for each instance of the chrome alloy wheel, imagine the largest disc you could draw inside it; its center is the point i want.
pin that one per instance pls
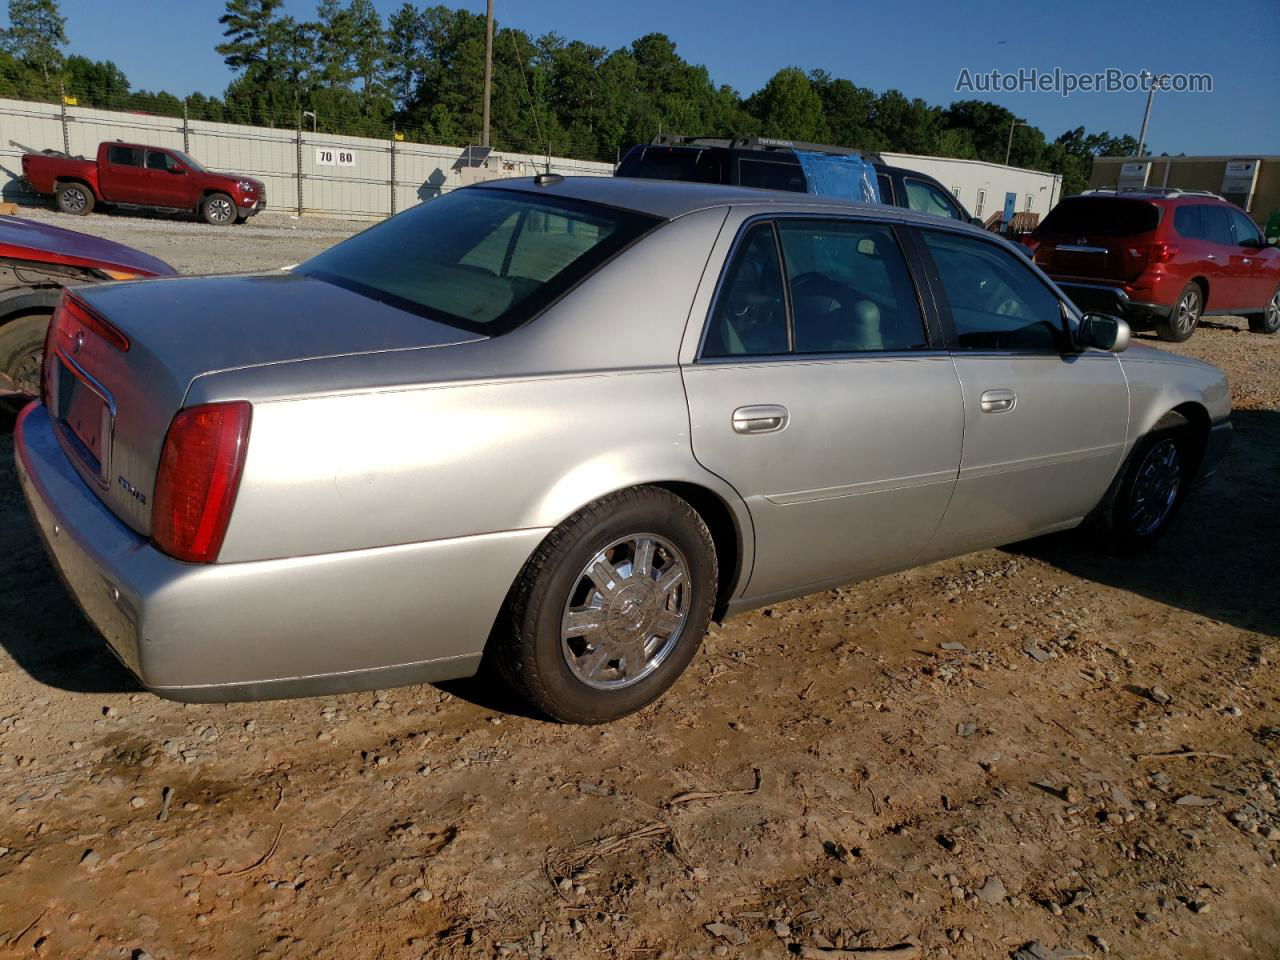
(1187, 312)
(1155, 489)
(626, 611)
(1273, 312)
(74, 200)
(220, 210)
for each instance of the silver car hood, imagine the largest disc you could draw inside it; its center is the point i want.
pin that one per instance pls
(197, 325)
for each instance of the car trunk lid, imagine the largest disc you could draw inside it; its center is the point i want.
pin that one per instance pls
(113, 406)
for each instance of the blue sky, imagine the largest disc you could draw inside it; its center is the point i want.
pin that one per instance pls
(919, 47)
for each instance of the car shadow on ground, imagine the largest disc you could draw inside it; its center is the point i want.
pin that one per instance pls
(1221, 556)
(41, 629)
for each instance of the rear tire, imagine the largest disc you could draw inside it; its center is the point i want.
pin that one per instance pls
(1184, 317)
(584, 654)
(73, 198)
(22, 352)
(1140, 506)
(1269, 320)
(218, 210)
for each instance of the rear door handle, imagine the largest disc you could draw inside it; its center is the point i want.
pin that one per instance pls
(1211, 256)
(999, 401)
(761, 418)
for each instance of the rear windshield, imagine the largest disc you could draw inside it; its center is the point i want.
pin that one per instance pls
(481, 259)
(666, 163)
(1108, 216)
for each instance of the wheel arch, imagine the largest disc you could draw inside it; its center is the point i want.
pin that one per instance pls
(1192, 418)
(83, 181)
(1203, 283)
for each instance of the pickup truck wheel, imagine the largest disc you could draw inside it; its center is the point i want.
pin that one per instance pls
(1184, 317)
(218, 209)
(1150, 490)
(22, 351)
(73, 198)
(611, 608)
(1269, 320)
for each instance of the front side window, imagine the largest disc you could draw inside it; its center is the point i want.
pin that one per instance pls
(1247, 233)
(927, 198)
(482, 259)
(850, 288)
(162, 162)
(124, 156)
(750, 315)
(996, 302)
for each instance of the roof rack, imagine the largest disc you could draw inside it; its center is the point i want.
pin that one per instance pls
(764, 144)
(1155, 191)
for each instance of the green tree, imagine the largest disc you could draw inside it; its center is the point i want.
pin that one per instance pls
(36, 34)
(96, 83)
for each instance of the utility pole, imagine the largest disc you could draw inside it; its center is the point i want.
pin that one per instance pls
(488, 72)
(1008, 150)
(1146, 116)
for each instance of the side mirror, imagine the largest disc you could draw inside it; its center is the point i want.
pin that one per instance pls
(1103, 332)
(1253, 243)
(179, 170)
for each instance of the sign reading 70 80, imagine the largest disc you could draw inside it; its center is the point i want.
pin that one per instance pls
(329, 157)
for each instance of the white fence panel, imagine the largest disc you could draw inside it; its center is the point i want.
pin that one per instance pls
(341, 176)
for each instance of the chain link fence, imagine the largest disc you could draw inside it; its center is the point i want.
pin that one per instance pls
(305, 172)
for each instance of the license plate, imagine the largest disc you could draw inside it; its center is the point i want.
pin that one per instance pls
(84, 413)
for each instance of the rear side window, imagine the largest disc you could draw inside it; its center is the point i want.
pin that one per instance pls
(1186, 221)
(886, 188)
(771, 175)
(927, 198)
(850, 288)
(124, 156)
(1101, 216)
(482, 259)
(663, 163)
(750, 315)
(996, 302)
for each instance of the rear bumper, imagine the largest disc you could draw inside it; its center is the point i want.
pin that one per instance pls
(299, 626)
(1109, 298)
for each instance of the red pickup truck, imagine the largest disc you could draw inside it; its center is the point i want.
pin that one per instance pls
(134, 174)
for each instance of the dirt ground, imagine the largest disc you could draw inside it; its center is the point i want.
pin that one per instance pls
(1033, 752)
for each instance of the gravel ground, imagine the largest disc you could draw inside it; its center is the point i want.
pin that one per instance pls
(1036, 745)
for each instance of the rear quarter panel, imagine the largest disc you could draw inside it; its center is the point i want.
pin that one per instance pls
(44, 172)
(512, 433)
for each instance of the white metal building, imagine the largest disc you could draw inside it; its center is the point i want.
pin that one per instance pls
(982, 186)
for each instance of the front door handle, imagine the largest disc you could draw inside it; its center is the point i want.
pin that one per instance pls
(999, 401)
(761, 418)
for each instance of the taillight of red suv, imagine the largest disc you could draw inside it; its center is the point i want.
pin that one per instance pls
(198, 478)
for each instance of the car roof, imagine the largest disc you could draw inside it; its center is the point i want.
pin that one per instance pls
(675, 198)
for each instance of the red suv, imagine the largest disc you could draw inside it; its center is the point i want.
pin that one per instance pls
(1161, 257)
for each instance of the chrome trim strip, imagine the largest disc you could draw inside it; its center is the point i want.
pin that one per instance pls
(1031, 463)
(858, 489)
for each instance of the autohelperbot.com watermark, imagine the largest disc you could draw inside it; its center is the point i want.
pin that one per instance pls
(1065, 82)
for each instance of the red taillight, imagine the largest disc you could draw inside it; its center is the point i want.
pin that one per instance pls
(197, 480)
(71, 319)
(1157, 252)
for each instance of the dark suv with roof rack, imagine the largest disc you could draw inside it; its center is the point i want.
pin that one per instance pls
(775, 165)
(1162, 257)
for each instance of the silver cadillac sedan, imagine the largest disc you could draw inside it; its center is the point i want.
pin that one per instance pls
(559, 425)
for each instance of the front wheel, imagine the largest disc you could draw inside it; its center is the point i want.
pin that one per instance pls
(1184, 317)
(1150, 490)
(218, 210)
(611, 608)
(1269, 321)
